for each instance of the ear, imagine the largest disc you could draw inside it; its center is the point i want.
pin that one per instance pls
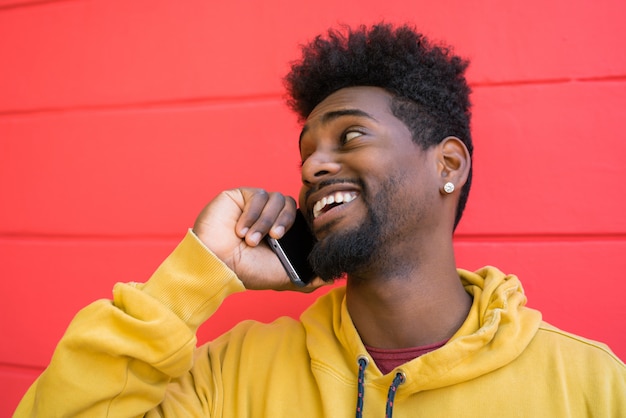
(454, 162)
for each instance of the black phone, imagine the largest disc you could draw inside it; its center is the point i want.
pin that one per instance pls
(293, 250)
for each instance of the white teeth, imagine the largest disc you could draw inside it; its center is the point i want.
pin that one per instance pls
(317, 209)
(337, 197)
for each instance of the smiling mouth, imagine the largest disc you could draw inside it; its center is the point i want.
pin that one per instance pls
(335, 199)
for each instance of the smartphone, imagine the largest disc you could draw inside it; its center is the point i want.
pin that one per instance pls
(293, 250)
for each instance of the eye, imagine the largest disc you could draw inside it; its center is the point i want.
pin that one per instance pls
(350, 135)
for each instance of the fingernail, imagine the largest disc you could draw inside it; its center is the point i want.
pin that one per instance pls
(255, 238)
(279, 231)
(243, 231)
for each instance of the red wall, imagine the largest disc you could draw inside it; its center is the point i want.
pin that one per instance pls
(119, 120)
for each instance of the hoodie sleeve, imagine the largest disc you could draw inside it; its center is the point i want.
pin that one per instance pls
(118, 356)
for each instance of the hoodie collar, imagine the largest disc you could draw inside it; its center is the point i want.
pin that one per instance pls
(496, 331)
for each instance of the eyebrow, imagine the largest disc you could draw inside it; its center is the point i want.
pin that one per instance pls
(335, 114)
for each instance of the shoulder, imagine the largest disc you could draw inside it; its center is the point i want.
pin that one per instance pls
(584, 372)
(572, 345)
(585, 364)
(248, 331)
(285, 329)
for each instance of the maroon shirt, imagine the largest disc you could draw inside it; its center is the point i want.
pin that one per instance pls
(387, 360)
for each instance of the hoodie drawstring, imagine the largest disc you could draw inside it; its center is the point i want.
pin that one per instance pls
(363, 361)
(391, 394)
(397, 381)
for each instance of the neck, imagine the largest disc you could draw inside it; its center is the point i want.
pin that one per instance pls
(409, 305)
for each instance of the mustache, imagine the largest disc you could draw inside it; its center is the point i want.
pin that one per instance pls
(329, 182)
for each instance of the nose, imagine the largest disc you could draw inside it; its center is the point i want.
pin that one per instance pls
(318, 166)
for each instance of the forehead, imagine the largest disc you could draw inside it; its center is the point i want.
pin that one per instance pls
(373, 101)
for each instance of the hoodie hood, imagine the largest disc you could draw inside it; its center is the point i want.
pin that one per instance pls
(497, 330)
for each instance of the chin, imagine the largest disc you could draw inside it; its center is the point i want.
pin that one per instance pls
(338, 253)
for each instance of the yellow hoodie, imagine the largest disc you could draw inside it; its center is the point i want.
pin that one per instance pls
(136, 356)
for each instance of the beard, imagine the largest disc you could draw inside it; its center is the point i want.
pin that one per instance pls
(347, 251)
(355, 250)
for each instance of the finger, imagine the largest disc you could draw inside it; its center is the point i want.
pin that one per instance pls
(285, 218)
(314, 285)
(273, 208)
(254, 200)
(264, 211)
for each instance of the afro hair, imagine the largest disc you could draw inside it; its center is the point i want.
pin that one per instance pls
(427, 82)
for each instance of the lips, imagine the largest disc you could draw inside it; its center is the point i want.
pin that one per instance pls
(331, 200)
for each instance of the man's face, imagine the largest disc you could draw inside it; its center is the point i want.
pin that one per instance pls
(367, 188)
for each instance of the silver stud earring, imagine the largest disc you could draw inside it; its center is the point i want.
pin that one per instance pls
(448, 187)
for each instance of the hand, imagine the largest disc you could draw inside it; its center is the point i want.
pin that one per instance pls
(233, 226)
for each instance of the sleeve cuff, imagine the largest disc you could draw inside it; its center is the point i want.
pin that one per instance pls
(192, 282)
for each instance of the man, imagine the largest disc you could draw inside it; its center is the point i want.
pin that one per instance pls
(386, 168)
